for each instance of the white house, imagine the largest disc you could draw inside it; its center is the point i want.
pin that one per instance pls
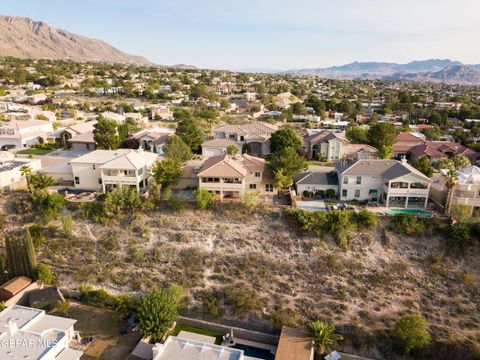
(103, 170)
(395, 183)
(10, 174)
(153, 140)
(44, 337)
(25, 133)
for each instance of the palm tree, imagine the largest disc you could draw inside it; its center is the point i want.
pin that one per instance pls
(26, 171)
(450, 180)
(42, 181)
(324, 336)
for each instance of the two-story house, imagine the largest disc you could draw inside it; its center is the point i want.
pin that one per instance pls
(153, 140)
(103, 170)
(333, 146)
(22, 133)
(233, 176)
(251, 138)
(466, 190)
(392, 182)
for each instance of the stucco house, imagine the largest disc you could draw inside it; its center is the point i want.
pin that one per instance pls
(23, 133)
(153, 140)
(333, 146)
(103, 170)
(392, 182)
(233, 176)
(465, 192)
(256, 137)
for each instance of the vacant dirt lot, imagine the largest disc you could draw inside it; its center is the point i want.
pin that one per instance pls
(256, 267)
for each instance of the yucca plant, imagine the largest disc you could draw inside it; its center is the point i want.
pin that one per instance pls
(323, 336)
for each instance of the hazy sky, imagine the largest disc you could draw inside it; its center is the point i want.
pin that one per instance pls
(269, 33)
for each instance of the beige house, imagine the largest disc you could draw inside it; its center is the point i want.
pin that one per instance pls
(255, 136)
(465, 192)
(23, 133)
(333, 146)
(395, 183)
(103, 170)
(233, 176)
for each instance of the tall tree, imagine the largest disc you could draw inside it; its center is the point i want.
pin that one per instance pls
(190, 133)
(21, 258)
(26, 171)
(167, 172)
(285, 165)
(156, 312)
(422, 164)
(105, 134)
(381, 134)
(284, 138)
(450, 181)
(176, 149)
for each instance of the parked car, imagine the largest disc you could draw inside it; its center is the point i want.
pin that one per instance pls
(8, 147)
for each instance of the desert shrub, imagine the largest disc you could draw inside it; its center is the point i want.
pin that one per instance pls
(67, 223)
(94, 211)
(408, 224)
(463, 235)
(250, 199)
(203, 198)
(286, 317)
(243, 300)
(460, 212)
(366, 219)
(411, 332)
(98, 298)
(44, 274)
(123, 200)
(37, 232)
(320, 193)
(48, 205)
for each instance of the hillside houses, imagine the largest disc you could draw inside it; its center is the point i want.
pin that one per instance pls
(333, 146)
(252, 138)
(22, 133)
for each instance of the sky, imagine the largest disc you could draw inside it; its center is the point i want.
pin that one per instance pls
(269, 34)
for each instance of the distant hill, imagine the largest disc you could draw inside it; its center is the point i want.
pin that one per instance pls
(24, 38)
(439, 70)
(452, 74)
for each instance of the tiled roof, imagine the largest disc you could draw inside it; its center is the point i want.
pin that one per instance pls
(407, 137)
(389, 169)
(219, 143)
(231, 166)
(325, 136)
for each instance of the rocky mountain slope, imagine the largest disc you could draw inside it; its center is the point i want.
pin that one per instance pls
(24, 38)
(434, 70)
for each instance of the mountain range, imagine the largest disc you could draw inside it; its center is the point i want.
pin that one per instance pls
(24, 38)
(433, 70)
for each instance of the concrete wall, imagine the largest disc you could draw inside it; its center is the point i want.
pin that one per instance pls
(88, 176)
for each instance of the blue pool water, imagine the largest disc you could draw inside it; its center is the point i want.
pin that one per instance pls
(255, 352)
(409, 211)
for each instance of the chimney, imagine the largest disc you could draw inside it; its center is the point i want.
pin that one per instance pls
(404, 159)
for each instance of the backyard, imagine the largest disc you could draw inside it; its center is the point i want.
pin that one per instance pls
(105, 327)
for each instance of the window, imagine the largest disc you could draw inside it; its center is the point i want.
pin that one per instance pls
(359, 180)
(77, 180)
(253, 186)
(231, 136)
(345, 180)
(258, 174)
(93, 166)
(100, 181)
(372, 192)
(268, 187)
(357, 193)
(344, 192)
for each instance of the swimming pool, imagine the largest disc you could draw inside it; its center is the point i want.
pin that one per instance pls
(255, 352)
(409, 211)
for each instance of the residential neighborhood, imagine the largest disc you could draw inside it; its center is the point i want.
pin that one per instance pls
(181, 212)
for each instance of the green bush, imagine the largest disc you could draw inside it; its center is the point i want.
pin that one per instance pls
(94, 211)
(330, 193)
(408, 224)
(98, 298)
(44, 274)
(464, 235)
(411, 332)
(366, 219)
(203, 198)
